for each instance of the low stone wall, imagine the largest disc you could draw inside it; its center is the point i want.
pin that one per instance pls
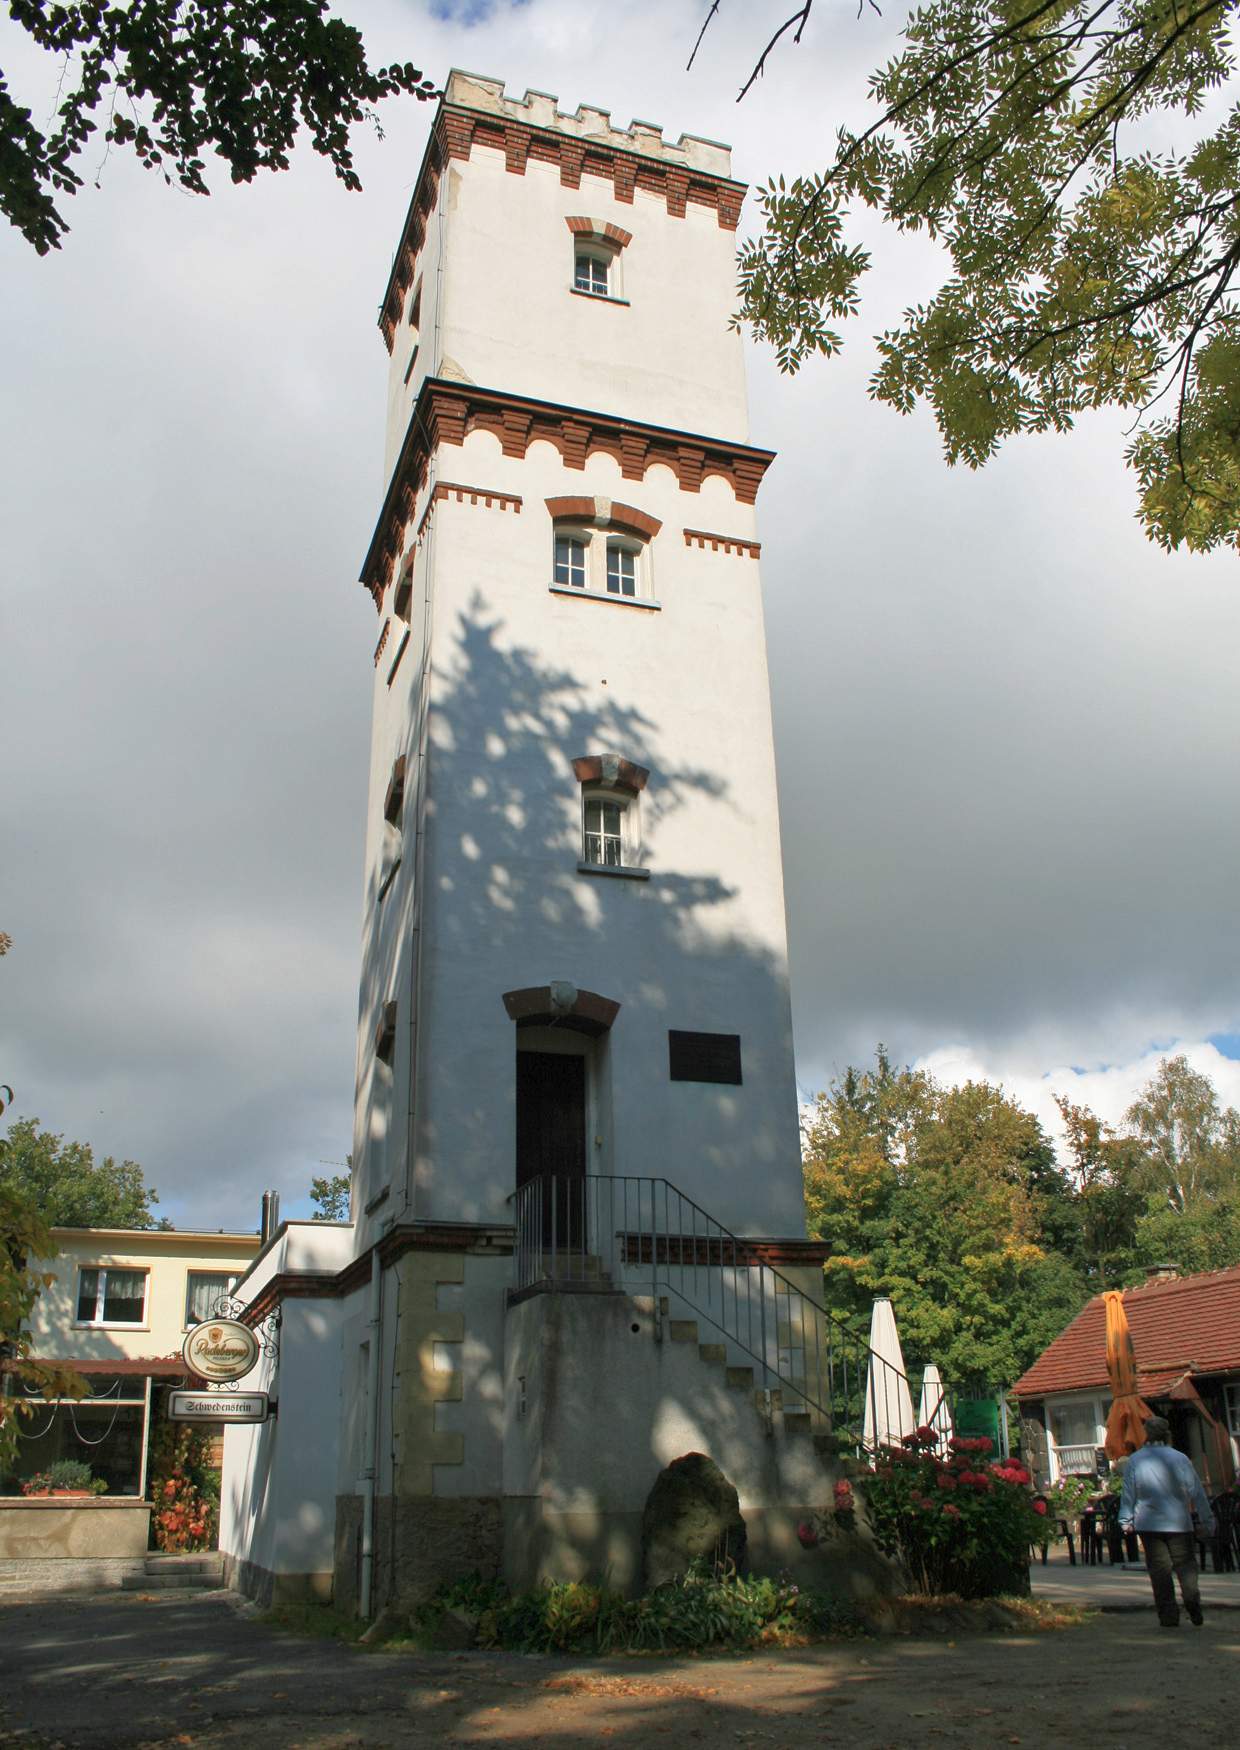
(56, 1544)
(60, 1528)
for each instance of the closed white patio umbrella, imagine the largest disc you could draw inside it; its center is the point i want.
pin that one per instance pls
(888, 1400)
(933, 1409)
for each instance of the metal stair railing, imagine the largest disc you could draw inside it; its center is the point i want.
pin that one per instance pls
(594, 1232)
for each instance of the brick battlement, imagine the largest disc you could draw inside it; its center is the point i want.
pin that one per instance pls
(540, 110)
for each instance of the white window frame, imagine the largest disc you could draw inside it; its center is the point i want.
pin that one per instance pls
(630, 828)
(1231, 1398)
(626, 547)
(230, 1284)
(599, 542)
(1098, 1403)
(583, 538)
(98, 1322)
(600, 255)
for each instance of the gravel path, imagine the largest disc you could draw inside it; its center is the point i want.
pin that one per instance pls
(138, 1671)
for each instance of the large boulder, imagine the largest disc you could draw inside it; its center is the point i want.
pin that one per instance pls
(691, 1513)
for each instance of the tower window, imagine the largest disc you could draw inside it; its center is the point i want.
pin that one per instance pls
(592, 271)
(604, 835)
(621, 569)
(570, 560)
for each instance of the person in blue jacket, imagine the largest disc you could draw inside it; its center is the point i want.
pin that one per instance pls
(1162, 1496)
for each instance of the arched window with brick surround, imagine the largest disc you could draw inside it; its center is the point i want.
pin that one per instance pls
(598, 248)
(611, 840)
(603, 549)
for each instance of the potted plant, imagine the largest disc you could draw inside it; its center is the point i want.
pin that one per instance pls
(69, 1476)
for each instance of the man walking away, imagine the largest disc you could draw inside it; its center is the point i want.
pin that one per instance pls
(1162, 1492)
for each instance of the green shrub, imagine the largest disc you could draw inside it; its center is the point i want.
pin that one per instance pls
(959, 1524)
(697, 1611)
(69, 1473)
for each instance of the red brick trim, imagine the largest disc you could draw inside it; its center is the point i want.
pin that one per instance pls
(611, 768)
(468, 495)
(456, 132)
(581, 226)
(445, 413)
(728, 543)
(383, 638)
(590, 1014)
(607, 513)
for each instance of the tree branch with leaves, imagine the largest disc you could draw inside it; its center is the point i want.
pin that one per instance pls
(175, 79)
(1090, 264)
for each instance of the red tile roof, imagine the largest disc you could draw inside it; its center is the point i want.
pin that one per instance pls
(1191, 1322)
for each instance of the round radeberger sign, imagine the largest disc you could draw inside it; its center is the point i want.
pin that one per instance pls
(220, 1349)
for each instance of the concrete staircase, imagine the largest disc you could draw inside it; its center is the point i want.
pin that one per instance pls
(738, 1378)
(176, 1573)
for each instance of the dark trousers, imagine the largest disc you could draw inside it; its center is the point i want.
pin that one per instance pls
(1170, 1553)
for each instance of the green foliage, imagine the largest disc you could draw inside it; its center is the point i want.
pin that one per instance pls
(1049, 146)
(68, 1186)
(1167, 1189)
(697, 1611)
(1191, 1148)
(950, 1201)
(331, 1197)
(959, 1525)
(173, 79)
(70, 1473)
(24, 1236)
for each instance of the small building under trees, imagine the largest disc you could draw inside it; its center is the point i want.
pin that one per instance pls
(1186, 1334)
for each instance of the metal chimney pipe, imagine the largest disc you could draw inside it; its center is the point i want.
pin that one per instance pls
(270, 1216)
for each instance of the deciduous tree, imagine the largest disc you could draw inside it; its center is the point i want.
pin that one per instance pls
(25, 1244)
(68, 1187)
(946, 1200)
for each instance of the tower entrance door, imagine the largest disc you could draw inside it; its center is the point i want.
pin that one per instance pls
(551, 1142)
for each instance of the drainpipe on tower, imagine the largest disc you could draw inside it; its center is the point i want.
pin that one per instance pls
(370, 1438)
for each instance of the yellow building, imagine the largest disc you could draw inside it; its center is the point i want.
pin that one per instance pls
(116, 1311)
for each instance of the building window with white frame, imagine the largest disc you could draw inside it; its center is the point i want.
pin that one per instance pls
(111, 1296)
(604, 840)
(604, 557)
(203, 1290)
(592, 269)
(571, 555)
(622, 558)
(611, 842)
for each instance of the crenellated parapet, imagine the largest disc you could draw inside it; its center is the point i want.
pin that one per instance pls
(476, 114)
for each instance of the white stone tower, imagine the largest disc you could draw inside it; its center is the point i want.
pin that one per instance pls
(574, 1071)
(572, 776)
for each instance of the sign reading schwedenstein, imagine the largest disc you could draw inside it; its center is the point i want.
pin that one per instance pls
(220, 1350)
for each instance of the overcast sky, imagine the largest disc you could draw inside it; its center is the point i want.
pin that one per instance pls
(1007, 726)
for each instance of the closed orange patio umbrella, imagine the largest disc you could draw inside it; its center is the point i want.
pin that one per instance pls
(1126, 1420)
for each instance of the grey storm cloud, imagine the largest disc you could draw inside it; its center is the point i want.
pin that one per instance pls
(1006, 726)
